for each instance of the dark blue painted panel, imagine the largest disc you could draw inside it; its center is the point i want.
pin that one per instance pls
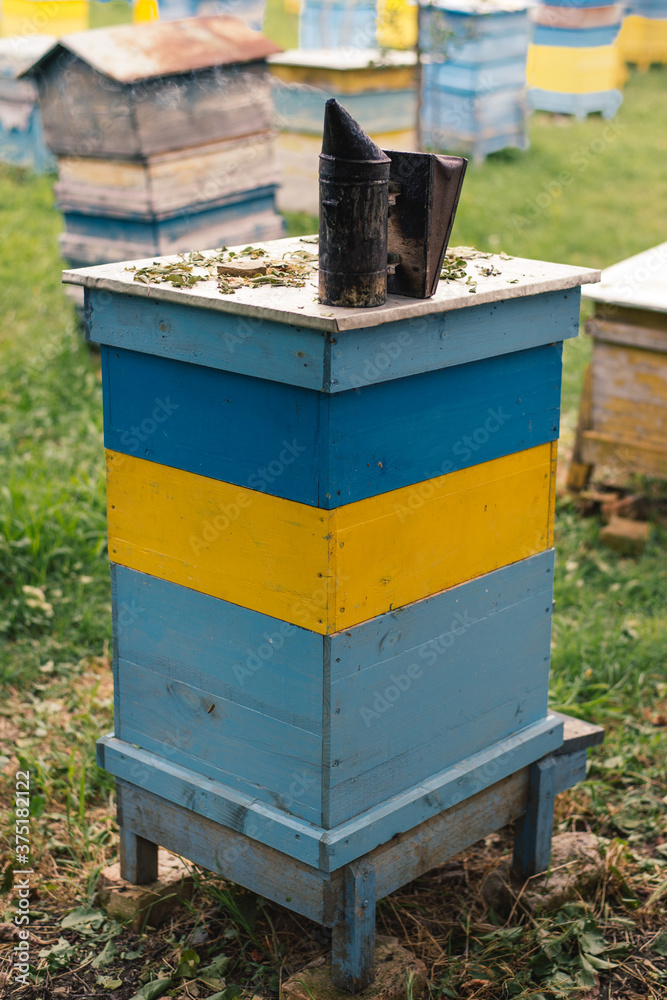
(328, 450)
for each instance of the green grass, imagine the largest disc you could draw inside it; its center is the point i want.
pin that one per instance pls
(610, 623)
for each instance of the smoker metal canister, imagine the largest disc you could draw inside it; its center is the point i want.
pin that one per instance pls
(354, 207)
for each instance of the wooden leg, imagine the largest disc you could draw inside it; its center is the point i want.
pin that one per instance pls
(532, 840)
(353, 941)
(138, 858)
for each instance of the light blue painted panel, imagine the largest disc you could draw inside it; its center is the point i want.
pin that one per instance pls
(152, 230)
(440, 30)
(301, 109)
(458, 681)
(490, 48)
(258, 662)
(328, 450)
(333, 24)
(329, 849)
(200, 729)
(353, 359)
(472, 79)
(455, 114)
(605, 101)
(575, 37)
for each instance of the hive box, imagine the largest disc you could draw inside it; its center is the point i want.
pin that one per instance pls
(377, 88)
(623, 430)
(473, 76)
(163, 134)
(327, 529)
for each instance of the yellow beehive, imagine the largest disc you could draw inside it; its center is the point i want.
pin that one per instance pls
(643, 41)
(575, 70)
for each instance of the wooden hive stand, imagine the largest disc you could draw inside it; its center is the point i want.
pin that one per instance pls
(327, 529)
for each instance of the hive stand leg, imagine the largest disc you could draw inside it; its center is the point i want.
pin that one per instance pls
(138, 858)
(532, 840)
(353, 941)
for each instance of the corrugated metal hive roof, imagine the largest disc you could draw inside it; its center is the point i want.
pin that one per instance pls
(132, 52)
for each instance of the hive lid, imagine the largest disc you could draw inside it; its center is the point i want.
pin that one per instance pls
(132, 52)
(497, 278)
(345, 59)
(18, 53)
(638, 282)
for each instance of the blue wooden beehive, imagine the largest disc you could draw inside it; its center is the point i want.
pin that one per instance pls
(331, 540)
(473, 76)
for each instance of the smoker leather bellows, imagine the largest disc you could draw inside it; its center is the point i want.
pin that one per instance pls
(385, 216)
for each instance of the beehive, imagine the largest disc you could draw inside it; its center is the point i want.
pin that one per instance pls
(574, 61)
(623, 427)
(163, 136)
(378, 88)
(331, 539)
(21, 132)
(473, 76)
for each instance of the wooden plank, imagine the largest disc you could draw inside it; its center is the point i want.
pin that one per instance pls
(258, 662)
(167, 183)
(497, 280)
(262, 869)
(630, 392)
(623, 457)
(353, 939)
(651, 338)
(579, 472)
(199, 729)
(138, 857)
(476, 520)
(463, 685)
(439, 793)
(327, 570)
(297, 355)
(532, 839)
(225, 806)
(315, 894)
(578, 735)
(327, 450)
(328, 850)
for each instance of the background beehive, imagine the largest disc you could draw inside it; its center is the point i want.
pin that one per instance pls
(377, 88)
(164, 141)
(473, 75)
(574, 62)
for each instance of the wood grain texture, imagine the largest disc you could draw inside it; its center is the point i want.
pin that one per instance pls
(328, 449)
(241, 747)
(532, 839)
(138, 857)
(622, 458)
(263, 664)
(353, 939)
(360, 692)
(328, 570)
(630, 393)
(419, 690)
(629, 334)
(271, 873)
(327, 849)
(295, 353)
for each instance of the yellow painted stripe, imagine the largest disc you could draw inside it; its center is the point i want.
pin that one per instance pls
(348, 81)
(328, 570)
(575, 70)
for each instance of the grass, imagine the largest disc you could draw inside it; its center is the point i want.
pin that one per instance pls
(586, 192)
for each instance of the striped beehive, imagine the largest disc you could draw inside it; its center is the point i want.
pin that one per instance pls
(334, 24)
(21, 132)
(473, 75)
(378, 89)
(574, 62)
(623, 419)
(163, 134)
(643, 37)
(331, 540)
